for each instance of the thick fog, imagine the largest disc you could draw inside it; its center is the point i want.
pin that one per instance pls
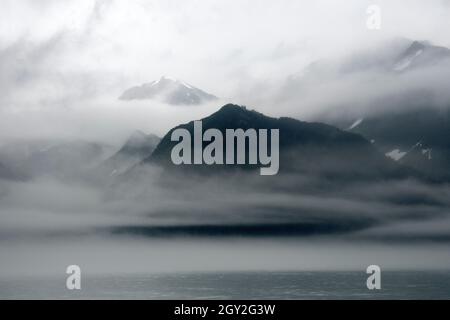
(64, 65)
(145, 225)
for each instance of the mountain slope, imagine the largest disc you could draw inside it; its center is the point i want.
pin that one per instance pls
(416, 137)
(420, 54)
(171, 91)
(395, 73)
(53, 157)
(138, 147)
(8, 173)
(309, 148)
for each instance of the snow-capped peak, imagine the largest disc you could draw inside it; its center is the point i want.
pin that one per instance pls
(169, 90)
(173, 80)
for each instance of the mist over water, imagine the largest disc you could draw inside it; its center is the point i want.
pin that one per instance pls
(131, 228)
(62, 71)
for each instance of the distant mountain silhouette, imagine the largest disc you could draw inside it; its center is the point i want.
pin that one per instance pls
(8, 173)
(168, 90)
(138, 147)
(31, 158)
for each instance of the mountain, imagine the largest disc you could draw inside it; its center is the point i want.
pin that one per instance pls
(399, 55)
(138, 146)
(52, 157)
(420, 54)
(308, 148)
(171, 91)
(401, 105)
(390, 59)
(390, 74)
(416, 137)
(8, 173)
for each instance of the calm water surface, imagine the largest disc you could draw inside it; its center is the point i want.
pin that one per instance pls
(236, 285)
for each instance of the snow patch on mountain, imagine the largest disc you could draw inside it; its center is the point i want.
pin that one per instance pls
(396, 154)
(406, 62)
(355, 124)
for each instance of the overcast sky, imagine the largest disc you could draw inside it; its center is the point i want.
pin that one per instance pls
(64, 55)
